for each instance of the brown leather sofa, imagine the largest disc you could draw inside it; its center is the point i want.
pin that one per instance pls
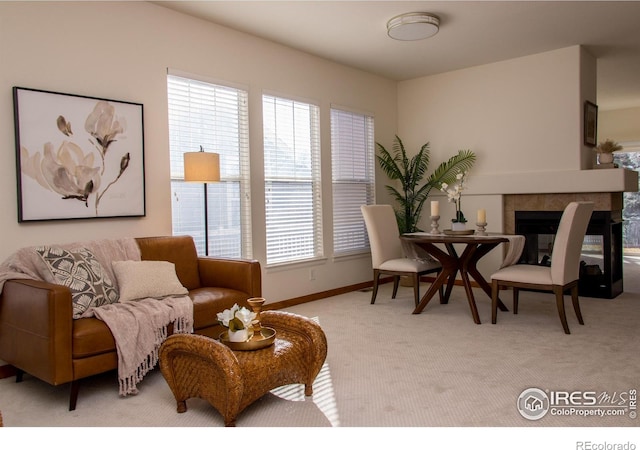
(38, 335)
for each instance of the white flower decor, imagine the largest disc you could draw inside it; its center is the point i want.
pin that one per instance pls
(236, 318)
(454, 195)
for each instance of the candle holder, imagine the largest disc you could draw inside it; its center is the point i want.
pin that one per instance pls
(256, 304)
(434, 225)
(482, 228)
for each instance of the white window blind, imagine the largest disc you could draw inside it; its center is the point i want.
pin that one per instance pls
(352, 159)
(292, 180)
(215, 117)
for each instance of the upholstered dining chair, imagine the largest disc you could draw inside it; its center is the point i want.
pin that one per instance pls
(561, 276)
(387, 254)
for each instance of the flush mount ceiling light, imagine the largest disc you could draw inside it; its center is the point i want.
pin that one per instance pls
(413, 26)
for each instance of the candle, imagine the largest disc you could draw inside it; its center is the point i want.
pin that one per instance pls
(482, 215)
(435, 208)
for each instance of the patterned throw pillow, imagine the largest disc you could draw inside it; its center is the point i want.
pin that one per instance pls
(82, 273)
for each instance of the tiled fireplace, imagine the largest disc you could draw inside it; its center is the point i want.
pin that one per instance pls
(537, 216)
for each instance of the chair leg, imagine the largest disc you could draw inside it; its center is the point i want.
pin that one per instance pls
(376, 277)
(516, 299)
(561, 312)
(416, 288)
(396, 282)
(576, 304)
(494, 301)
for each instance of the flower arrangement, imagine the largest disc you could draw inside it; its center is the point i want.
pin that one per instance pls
(454, 195)
(238, 320)
(608, 146)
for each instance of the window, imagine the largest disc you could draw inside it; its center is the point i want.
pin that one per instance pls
(292, 180)
(216, 118)
(629, 158)
(352, 158)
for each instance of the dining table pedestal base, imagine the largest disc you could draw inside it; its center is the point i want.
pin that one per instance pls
(465, 264)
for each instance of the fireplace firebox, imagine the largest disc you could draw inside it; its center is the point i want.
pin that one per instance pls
(601, 257)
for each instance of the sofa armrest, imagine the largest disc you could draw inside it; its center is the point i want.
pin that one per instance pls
(36, 329)
(243, 275)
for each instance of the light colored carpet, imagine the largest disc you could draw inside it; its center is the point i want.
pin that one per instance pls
(389, 368)
(438, 368)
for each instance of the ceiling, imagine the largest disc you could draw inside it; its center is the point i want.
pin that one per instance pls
(471, 33)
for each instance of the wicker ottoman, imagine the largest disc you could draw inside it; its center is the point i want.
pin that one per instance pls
(200, 367)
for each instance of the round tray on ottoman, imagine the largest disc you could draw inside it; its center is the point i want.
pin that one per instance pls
(263, 339)
(230, 380)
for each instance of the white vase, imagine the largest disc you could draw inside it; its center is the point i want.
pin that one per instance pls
(239, 335)
(605, 158)
(458, 226)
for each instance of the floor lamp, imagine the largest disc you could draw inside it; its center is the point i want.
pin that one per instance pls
(202, 167)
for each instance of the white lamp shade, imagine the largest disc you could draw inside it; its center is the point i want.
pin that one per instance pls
(202, 167)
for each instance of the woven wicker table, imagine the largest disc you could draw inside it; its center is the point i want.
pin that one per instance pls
(196, 366)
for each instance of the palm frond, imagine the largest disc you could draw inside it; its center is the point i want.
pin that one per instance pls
(446, 172)
(410, 172)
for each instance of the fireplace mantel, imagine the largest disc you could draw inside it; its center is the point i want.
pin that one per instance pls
(555, 182)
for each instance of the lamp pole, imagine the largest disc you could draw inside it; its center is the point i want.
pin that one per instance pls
(202, 167)
(206, 221)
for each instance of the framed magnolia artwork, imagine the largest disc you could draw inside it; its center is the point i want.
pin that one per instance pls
(77, 157)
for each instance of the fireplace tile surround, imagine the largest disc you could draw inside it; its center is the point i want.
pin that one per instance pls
(603, 201)
(606, 222)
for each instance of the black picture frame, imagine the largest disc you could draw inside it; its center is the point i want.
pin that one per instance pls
(590, 124)
(78, 157)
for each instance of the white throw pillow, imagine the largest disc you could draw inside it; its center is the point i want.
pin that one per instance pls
(142, 279)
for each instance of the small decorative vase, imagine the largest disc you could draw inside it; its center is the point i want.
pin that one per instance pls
(239, 335)
(458, 226)
(605, 158)
(256, 304)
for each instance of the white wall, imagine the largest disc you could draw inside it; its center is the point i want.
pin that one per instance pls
(521, 116)
(121, 50)
(621, 125)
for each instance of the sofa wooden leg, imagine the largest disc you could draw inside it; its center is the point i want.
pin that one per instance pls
(73, 397)
(19, 375)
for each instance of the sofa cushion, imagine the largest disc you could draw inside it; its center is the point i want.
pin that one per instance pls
(80, 271)
(180, 250)
(142, 279)
(91, 337)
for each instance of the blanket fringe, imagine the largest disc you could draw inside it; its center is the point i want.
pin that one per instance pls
(128, 385)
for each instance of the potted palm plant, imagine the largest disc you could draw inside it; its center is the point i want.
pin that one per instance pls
(411, 172)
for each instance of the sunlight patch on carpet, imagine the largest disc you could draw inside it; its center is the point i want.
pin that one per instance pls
(323, 393)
